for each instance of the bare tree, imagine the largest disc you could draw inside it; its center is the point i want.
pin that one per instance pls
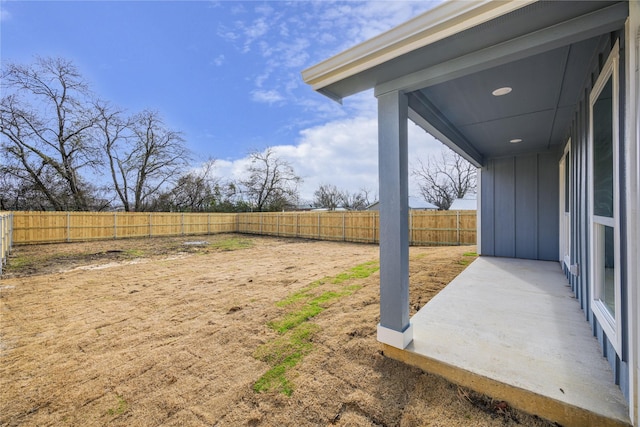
(142, 153)
(356, 201)
(443, 179)
(328, 196)
(271, 183)
(195, 191)
(19, 192)
(331, 197)
(45, 127)
(228, 198)
(114, 131)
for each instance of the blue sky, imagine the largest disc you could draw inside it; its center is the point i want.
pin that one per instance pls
(226, 74)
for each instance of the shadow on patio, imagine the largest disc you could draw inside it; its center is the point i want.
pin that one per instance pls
(512, 329)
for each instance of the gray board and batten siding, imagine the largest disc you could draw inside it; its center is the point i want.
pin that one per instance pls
(520, 193)
(580, 173)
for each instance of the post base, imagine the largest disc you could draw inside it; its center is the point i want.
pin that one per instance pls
(395, 338)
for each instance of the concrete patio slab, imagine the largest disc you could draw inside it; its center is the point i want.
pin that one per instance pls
(513, 330)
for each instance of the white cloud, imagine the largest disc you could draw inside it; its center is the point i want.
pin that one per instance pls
(300, 34)
(253, 32)
(266, 96)
(218, 60)
(342, 152)
(337, 144)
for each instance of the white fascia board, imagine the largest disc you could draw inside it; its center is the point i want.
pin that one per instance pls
(543, 40)
(447, 19)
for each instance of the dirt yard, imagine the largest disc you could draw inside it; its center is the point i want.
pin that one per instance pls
(222, 330)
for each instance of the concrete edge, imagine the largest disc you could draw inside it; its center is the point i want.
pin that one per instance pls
(545, 407)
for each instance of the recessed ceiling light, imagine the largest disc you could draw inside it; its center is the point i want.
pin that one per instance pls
(501, 91)
(515, 140)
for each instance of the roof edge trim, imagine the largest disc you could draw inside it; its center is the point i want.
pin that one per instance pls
(433, 25)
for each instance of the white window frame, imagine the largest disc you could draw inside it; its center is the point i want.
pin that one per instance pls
(611, 325)
(565, 217)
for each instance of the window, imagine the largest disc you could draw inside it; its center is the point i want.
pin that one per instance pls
(604, 216)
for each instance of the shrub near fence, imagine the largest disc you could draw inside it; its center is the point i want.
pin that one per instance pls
(426, 228)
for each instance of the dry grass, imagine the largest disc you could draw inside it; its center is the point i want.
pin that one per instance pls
(158, 333)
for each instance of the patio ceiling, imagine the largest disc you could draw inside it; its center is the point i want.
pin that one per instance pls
(540, 50)
(537, 111)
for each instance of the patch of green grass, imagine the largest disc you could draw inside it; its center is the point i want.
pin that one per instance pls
(464, 261)
(19, 262)
(232, 244)
(283, 354)
(296, 332)
(302, 294)
(120, 408)
(310, 309)
(291, 320)
(361, 271)
(134, 253)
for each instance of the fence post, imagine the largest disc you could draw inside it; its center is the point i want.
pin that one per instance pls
(278, 225)
(410, 227)
(208, 223)
(115, 225)
(68, 227)
(319, 234)
(150, 217)
(182, 223)
(373, 227)
(11, 231)
(3, 242)
(458, 226)
(344, 230)
(5, 245)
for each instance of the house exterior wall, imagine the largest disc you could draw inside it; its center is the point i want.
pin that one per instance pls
(581, 172)
(520, 198)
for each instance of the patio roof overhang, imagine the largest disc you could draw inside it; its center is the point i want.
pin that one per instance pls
(449, 60)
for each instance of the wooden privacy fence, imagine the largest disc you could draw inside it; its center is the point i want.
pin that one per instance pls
(426, 228)
(52, 227)
(6, 234)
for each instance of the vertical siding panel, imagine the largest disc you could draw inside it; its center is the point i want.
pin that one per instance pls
(572, 168)
(488, 209)
(526, 206)
(584, 232)
(574, 203)
(622, 188)
(505, 207)
(548, 206)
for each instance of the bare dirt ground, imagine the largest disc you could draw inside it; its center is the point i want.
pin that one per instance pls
(157, 332)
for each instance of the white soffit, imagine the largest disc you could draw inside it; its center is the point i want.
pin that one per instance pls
(446, 19)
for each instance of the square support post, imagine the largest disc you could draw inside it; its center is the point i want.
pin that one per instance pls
(394, 328)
